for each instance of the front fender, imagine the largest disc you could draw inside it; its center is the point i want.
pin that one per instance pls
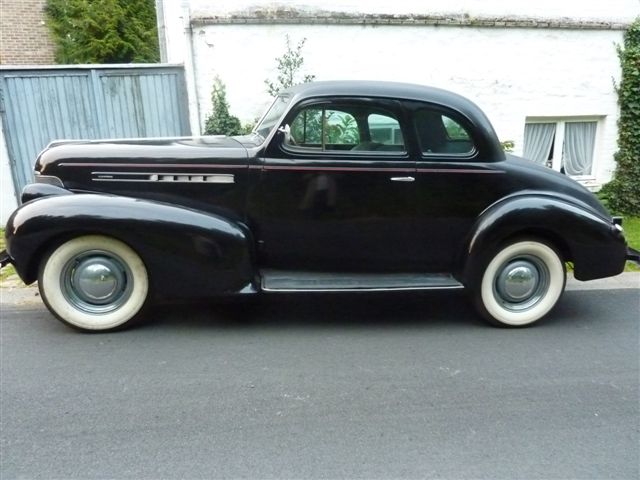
(596, 246)
(188, 253)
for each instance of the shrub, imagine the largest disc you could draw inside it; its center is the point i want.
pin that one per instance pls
(508, 145)
(289, 65)
(220, 121)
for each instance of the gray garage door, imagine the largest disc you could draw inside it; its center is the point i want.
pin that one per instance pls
(39, 105)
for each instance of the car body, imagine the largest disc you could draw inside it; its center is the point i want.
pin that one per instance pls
(342, 186)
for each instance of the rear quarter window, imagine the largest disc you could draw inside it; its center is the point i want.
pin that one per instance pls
(439, 134)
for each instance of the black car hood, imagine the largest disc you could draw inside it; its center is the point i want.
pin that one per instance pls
(206, 149)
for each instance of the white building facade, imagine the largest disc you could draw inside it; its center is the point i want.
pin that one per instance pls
(543, 71)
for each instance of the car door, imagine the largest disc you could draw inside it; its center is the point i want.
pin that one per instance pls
(336, 190)
(455, 182)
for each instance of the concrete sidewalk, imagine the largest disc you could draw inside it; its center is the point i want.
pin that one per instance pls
(13, 292)
(19, 295)
(624, 280)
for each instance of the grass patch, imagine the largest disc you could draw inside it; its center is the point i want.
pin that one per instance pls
(632, 234)
(632, 231)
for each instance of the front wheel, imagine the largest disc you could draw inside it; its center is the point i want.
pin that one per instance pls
(93, 283)
(520, 284)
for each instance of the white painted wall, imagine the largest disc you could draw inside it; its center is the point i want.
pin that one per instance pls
(8, 201)
(510, 73)
(175, 24)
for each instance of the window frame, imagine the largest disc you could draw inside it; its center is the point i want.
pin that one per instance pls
(558, 140)
(472, 156)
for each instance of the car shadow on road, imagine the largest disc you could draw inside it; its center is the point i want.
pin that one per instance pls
(434, 310)
(341, 310)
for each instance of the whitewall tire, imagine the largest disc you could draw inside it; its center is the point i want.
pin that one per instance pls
(520, 284)
(94, 283)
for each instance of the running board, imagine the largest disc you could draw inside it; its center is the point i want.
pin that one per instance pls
(293, 281)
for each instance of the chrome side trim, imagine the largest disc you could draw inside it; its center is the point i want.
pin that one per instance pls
(150, 165)
(402, 179)
(161, 177)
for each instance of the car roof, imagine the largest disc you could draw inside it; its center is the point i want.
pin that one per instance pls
(486, 137)
(368, 88)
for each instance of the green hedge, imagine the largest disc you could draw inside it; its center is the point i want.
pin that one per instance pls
(622, 194)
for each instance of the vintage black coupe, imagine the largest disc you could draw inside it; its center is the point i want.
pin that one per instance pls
(342, 186)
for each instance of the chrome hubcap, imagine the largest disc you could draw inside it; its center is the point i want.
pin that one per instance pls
(518, 281)
(521, 283)
(96, 282)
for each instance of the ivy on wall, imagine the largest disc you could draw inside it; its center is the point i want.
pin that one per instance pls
(622, 194)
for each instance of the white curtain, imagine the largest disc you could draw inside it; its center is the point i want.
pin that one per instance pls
(538, 138)
(577, 152)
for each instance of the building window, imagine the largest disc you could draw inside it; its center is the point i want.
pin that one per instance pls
(566, 145)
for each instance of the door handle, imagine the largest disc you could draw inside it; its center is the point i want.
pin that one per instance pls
(402, 179)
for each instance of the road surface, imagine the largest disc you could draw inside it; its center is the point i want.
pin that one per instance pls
(343, 386)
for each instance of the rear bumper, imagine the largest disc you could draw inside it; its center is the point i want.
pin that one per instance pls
(5, 259)
(633, 255)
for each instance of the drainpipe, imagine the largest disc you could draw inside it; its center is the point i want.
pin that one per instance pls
(190, 72)
(162, 35)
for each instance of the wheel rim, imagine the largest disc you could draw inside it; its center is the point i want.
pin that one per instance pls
(96, 282)
(520, 283)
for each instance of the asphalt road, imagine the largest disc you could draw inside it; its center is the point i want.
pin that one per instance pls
(390, 386)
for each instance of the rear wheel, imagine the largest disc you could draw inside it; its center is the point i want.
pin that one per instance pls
(520, 284)
(94, 283)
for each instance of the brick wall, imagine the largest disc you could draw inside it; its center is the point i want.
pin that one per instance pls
(24, 38)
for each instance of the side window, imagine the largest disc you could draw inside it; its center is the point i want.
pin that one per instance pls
(306, 129)
(454, 130)
(440, 134)
(325, 129)
(343, 128)
(385, 131)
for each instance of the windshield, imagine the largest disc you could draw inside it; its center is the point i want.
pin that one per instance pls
(272, 116)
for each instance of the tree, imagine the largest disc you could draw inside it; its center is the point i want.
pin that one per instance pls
(103, 31)
(623, 192)
(289, 65)
(221, 122)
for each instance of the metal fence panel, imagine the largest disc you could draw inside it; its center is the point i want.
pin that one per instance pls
(39, 105)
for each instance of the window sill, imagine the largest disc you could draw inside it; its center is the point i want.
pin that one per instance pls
(587, 181)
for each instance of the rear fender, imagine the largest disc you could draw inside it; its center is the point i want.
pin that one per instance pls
(188, 253)
(595, 246)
